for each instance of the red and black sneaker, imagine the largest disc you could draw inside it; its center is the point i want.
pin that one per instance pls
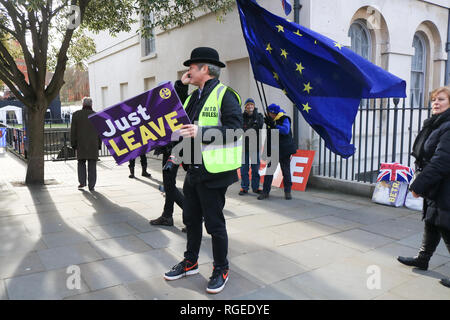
(218, 280)
(242, 192)
(183, 269)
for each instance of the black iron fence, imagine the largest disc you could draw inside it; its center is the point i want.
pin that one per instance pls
(56, 144)
(384, 131)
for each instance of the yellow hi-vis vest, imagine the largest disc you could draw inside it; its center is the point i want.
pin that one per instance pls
(222, 157)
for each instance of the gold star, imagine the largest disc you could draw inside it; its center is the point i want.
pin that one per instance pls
(308, 87)
(298, 33)
(284, 53)
(284, 91)
(280, 28)
(337, 44)
(275, 75)
(315, 41)
(306, 107)
(269, 48)
(299, 68)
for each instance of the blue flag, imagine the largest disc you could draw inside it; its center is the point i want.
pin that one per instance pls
(286, 6)
(325, 80)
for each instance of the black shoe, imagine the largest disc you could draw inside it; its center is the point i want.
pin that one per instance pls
(263, 196)
(184, 230)
(414, 262)
(162, 221)
(287, 196)
(146, 174)
(92, 189)
(81, 186)
(259, 191)
(445, 282)
(183, 269)
(217, 281)
(242, 192)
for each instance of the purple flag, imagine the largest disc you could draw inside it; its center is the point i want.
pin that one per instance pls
(138, 125)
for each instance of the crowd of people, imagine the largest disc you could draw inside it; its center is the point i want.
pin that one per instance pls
(214, 105)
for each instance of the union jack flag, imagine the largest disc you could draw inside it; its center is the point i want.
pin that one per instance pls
(395, 172)
(286, 6)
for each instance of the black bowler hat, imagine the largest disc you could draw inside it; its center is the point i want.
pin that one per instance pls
(205, 55)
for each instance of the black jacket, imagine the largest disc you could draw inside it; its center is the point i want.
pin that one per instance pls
(254, 121)
(433, 183)
(286, 143)
(231, 118)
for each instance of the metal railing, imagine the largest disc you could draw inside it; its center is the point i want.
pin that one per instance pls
(56, 144)
(384, 131)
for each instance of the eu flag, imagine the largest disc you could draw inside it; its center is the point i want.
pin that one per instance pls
(325, 80)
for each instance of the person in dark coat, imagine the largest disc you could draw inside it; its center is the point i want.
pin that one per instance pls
(253, 122)
(84, 139)
(277, 119)
(132, 164)
(432, 152)
(205, 188)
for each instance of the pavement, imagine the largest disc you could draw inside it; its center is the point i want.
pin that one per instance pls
(57, 242)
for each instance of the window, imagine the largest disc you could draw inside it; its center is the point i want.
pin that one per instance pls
(148, 43)
(418, 71)
(361, 44)
(104, 96)
(360, 37)
(123, 91)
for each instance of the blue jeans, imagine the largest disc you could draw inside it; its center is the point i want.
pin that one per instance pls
(255, 172)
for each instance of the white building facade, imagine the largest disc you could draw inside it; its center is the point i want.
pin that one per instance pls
(405, 37)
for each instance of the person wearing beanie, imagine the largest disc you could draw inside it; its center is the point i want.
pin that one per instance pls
(253, 120)
(277, 119)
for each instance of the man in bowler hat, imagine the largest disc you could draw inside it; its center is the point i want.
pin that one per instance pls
(206, 182)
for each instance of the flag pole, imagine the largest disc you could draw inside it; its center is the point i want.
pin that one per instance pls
(297, 8)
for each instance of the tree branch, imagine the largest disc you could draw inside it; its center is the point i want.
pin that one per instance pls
(58, 77)
(11, 66)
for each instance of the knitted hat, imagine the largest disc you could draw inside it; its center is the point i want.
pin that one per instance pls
(249, 100)
(274, 108)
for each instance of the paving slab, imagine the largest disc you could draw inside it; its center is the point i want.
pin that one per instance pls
(50, 285)
(116, 271)
(315, 253)
(345, 279)
(120, 246)
(260, 266)
(59, 257)
(17, 264)
(112, 231)
(359, 239)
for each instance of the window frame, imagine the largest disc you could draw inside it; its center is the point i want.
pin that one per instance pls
(148, 42)
(423, 72)
(363, 26)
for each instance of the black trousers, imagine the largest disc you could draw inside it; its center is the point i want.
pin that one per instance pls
(285, 164)
(203, 203)
(431, 237)
(91, 172)
(173, 195)
(143, 158)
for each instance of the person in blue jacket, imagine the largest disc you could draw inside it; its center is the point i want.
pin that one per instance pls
(277, 119)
